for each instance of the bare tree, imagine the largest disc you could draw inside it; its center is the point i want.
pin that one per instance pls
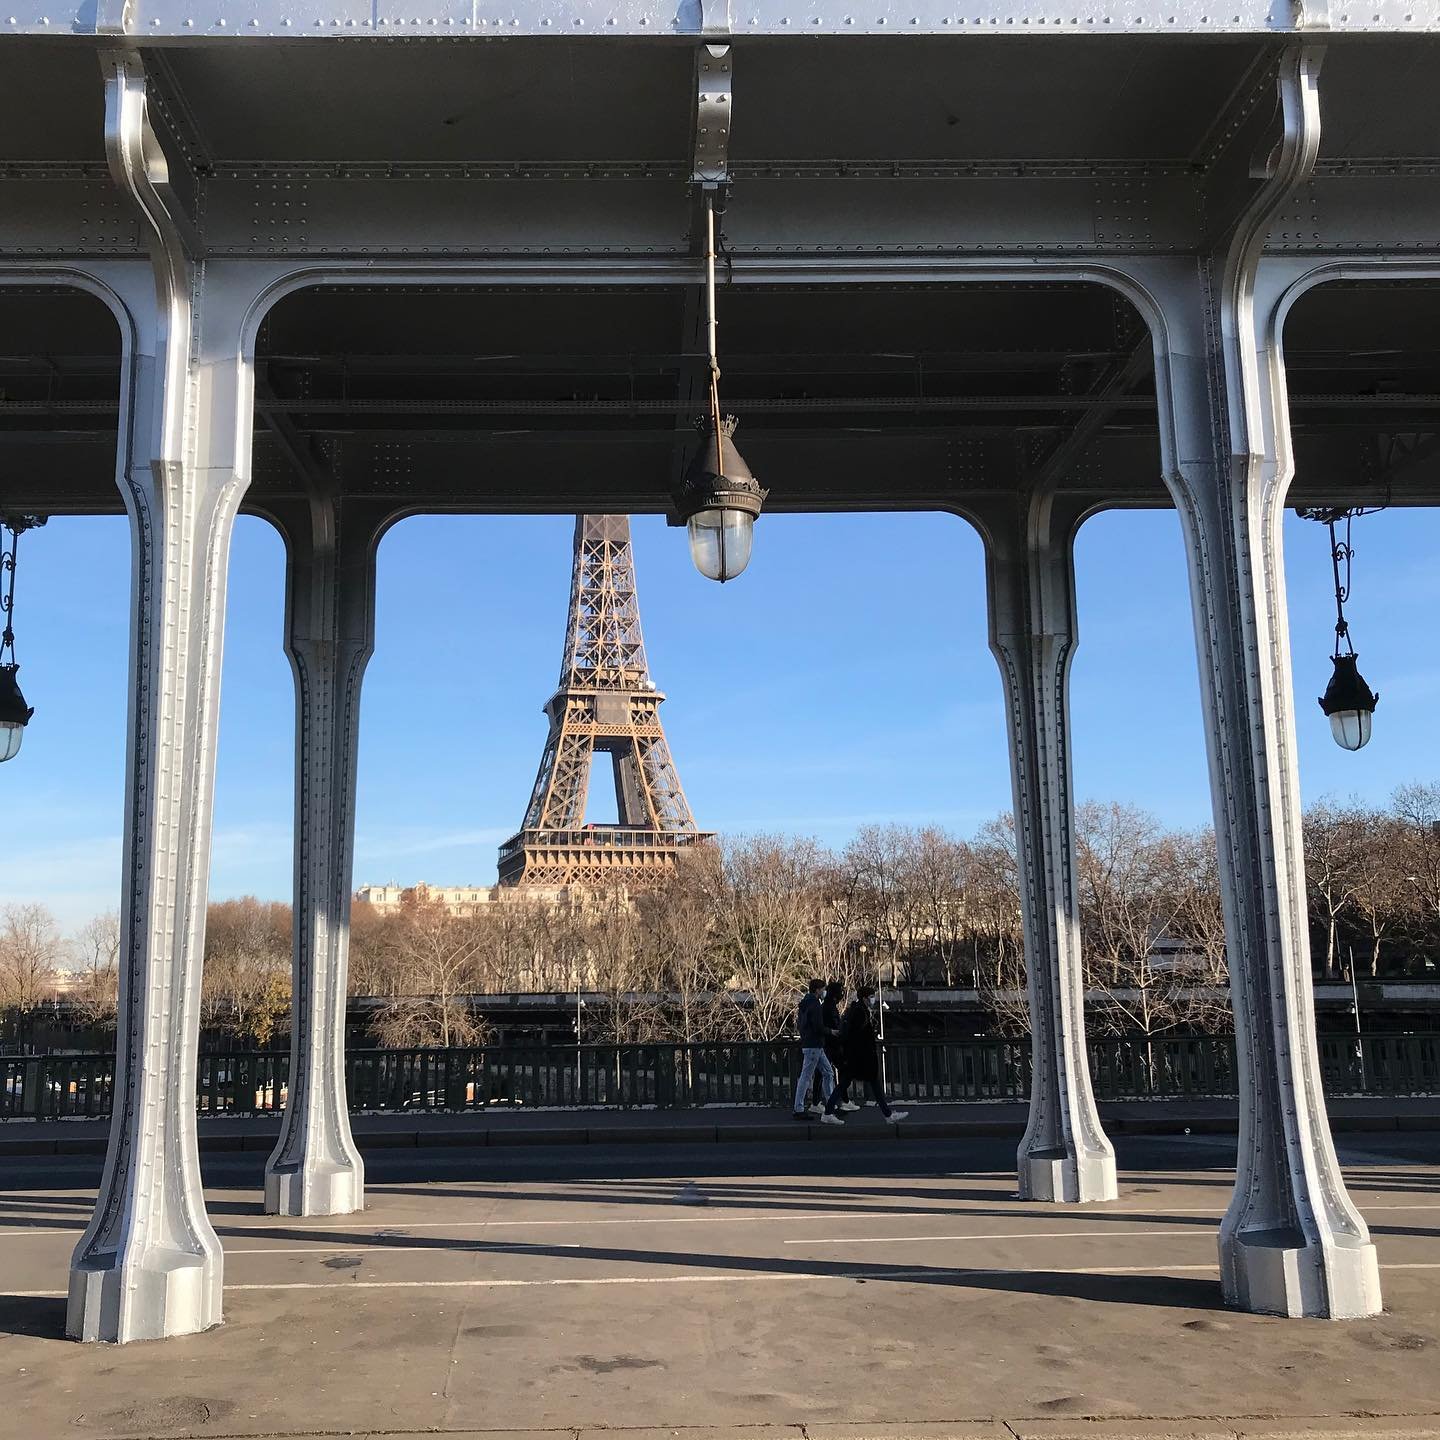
(624, 972)
(1198, 926)
(435, 953)
(1003, 992)
(997, 933)
(30, 952)
(881, 859)
(1133, 877)
(678, 927)
(1380, 886)
(1333, 838)
(245, 988)
(939, 868)
(96, 994)
(423, 1022)
(768, 922)
(1416, 809)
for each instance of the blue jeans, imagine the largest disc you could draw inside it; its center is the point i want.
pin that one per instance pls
(813, 1059)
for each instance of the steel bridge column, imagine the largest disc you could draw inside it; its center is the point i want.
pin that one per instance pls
(315, 1168)
(1065, 1155)
(149, 1264)
(1292, 1242)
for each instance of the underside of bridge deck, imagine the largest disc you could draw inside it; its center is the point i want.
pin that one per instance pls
(858, 397)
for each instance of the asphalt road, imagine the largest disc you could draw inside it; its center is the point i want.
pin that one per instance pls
(891, 1287)
(1134, 1153)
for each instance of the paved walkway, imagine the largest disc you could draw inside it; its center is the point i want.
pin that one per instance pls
(504, 1125)
(740, 1293)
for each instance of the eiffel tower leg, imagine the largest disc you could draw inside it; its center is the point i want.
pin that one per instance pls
(1065, 1155)
(315, 1168)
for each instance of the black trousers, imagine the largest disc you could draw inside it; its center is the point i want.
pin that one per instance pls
(841, 1093)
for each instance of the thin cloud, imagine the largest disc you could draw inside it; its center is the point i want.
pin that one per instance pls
(392, 846)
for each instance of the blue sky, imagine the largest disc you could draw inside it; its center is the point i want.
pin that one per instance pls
(843, 679)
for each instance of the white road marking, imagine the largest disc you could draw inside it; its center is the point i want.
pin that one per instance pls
(479, 1247)
(725, 1219)
(1011, 1235)
(1159, 1272)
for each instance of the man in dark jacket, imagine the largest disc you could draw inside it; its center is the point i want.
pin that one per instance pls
(810, 1017)
(860, 1050)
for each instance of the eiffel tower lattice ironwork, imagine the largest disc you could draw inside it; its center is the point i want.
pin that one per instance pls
(606, 703)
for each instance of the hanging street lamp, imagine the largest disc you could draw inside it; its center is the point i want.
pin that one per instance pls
(1348, 702)
(14, 712)
(718, 498)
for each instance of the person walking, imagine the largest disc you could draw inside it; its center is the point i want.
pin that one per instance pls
(835, 1046)
(861, 1049)
(810, 1017)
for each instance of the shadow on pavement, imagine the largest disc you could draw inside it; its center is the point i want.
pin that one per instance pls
(1161, 1290)
(41, 1316)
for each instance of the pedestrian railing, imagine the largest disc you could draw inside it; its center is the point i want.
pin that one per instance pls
(691, 1076)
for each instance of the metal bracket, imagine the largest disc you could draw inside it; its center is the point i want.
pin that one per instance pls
(114, 17)
(1311, 14)
(138, 163)
(714, 102)
(703, 17)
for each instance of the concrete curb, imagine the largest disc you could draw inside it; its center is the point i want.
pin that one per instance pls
(1325, 1427)
(502, 1134)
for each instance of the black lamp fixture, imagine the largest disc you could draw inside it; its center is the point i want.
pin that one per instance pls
(1348, 702)
(14, 712)
(718, 498)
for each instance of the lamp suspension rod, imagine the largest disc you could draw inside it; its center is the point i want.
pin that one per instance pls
(712, 327)
(1341, 553)
(8, 549)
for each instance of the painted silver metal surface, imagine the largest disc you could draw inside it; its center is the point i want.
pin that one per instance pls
(1292, 1242)
(149, 1264)
(315, 1168)
(250, 20)
(1065, 1155)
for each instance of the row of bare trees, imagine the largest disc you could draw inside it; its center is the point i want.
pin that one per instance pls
(721, 950)
(1374, 881)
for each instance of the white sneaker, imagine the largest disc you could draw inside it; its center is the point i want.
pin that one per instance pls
(849, 1105)
(896, 1116)
(814, 1109)
(830, 1118)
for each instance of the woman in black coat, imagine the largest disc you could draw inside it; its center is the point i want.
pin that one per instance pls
(860, 1053)
(834, 1046)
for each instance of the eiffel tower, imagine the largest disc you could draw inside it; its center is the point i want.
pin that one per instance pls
(606, 703)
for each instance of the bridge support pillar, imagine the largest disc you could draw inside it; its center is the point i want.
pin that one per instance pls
(1064, 1155)
(1292, 1242)
(315, 1168)
(149, 1263)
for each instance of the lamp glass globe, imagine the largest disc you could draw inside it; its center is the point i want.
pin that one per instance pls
(720, 542)
(1351, 728)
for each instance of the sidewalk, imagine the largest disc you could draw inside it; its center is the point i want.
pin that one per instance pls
(515, 1126)
(855, 1292)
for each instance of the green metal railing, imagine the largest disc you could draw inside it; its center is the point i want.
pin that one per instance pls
(687, 1076)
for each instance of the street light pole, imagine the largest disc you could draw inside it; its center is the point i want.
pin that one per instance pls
(1355, 1002)
(880, 984)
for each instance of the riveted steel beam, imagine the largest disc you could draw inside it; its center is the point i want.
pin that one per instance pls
(320, 20)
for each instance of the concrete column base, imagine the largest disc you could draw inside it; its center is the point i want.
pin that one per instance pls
(161, 1294)
(1274, 1272)
(325, 1189)
(1067, 1178)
